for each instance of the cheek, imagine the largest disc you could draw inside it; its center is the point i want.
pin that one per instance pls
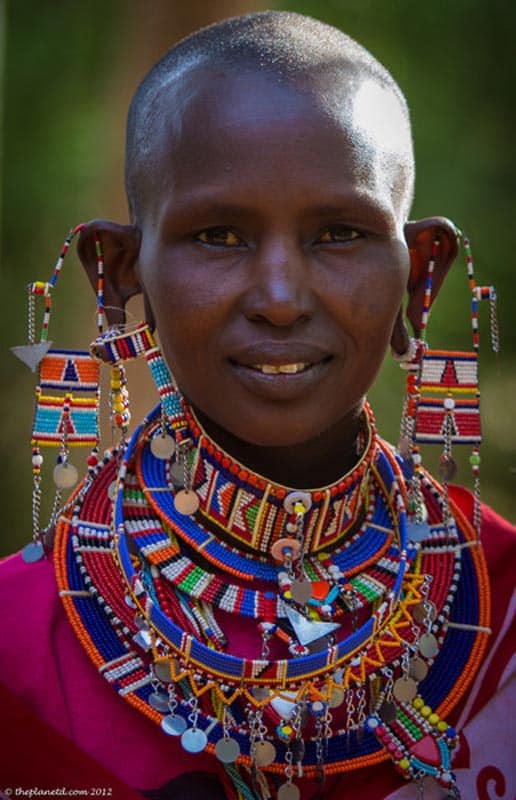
(366, 298)
(188, 315)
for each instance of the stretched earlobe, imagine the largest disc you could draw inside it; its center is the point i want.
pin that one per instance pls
(420, 237)
(120, 248)
(400, 340)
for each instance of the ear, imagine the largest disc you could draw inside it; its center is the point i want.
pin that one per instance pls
(120, 248)
(420, 237)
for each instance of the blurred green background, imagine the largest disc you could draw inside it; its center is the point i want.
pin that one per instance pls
(67, 72)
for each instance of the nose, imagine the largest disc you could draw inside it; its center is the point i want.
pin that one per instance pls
(279, 289)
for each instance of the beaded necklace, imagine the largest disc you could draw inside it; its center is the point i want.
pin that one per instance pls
(341, 701)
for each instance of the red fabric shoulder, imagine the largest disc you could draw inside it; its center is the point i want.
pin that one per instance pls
(498, 539)
(35, 755)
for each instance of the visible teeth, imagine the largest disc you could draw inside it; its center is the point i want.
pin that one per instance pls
(284, 369)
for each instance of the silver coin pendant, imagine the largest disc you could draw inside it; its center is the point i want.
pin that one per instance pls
(194, 740)
(227, 750)
(163, 446)
(428, 646)
(159, 701)
(404, 690)
(418, 669)
(265, 754)
(173, 725)
(65, 476)
(186, 502)
(301, 590)
(288, 791)
(33, 552)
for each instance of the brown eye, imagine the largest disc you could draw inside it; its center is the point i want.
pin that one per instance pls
(338, 234)
(219, 237)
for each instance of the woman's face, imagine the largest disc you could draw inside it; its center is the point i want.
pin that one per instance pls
(272, 257)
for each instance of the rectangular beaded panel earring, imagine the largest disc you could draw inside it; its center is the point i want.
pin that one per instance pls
(442, 402)
(66, 404)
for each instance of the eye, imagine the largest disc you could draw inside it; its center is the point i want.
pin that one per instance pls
(219, 237)
(338, 234)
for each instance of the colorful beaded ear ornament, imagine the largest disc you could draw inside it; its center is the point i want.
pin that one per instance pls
(66, 408)
(442, 404)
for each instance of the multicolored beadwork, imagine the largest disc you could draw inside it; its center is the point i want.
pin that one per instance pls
(442, 404)
(165, 650)
(67, 399)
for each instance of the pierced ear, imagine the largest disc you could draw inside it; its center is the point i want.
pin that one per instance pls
(420, 237)
(120, 248)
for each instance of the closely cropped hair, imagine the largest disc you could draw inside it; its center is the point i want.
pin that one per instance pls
(287, 45)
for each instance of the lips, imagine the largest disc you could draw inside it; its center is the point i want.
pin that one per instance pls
(292, 356)
(280, 370)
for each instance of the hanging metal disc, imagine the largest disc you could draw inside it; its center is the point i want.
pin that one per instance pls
(428, 646)
(404, 689)
(288, 791)
(159, 701)
(173, 725)
(227, 750)
(424, 611)
(265, 754)
(162, 671)
(194, 740)
(448, 469)
(177, 474)
(387, 712)
(336, 697)
(301, 590)
(33, 552)
(65, 476)
(163, 446)
(186, 502)
(418, 669)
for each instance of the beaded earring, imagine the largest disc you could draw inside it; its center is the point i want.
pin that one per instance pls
(66, 407)
(442, 398)
(125, 342)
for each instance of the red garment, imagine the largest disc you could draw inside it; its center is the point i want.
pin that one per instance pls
(43, 663)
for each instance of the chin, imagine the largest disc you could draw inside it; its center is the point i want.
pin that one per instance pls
(271, 430)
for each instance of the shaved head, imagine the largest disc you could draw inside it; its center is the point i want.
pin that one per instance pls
(290, 50)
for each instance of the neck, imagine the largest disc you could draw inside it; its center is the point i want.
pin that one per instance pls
(312, 463)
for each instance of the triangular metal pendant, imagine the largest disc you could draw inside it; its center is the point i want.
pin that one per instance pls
(308, 630)
(31, 354)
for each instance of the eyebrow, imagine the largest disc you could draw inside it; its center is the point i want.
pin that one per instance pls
(208, 202)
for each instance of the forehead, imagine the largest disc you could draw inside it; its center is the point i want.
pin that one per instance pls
(215, 123)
